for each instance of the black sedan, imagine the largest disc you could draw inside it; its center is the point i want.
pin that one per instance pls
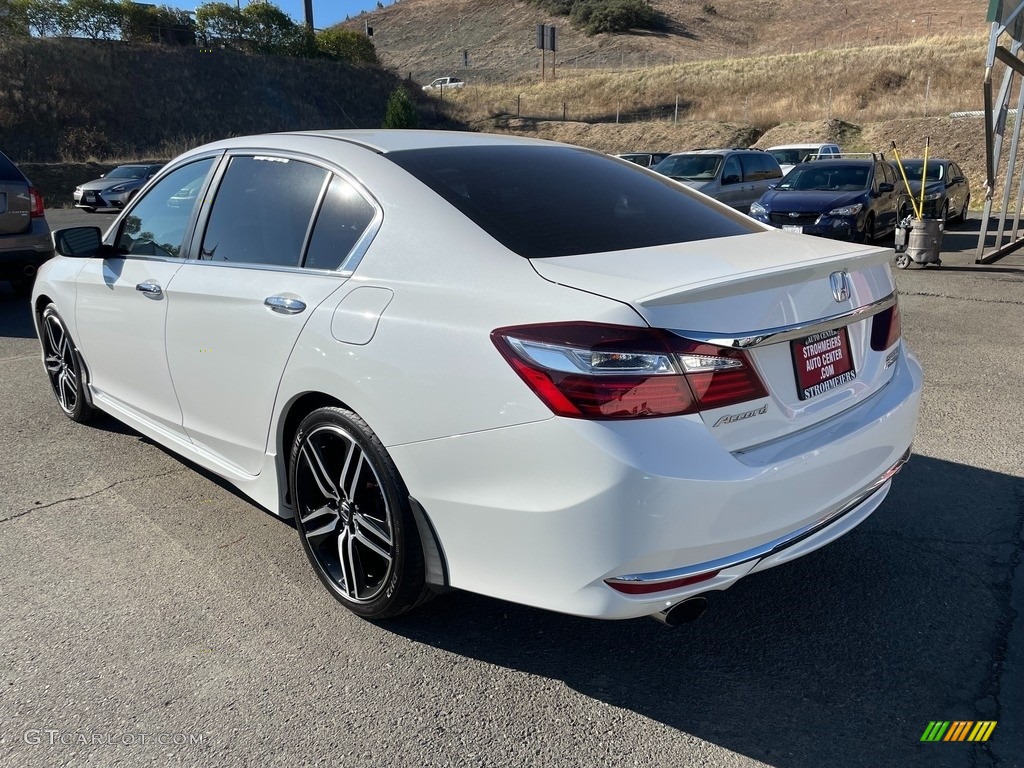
(856, 199)
(947, 194)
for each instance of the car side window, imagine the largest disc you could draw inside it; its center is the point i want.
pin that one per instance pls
(155, 225)
(343, 218)
(262, 211)
(753, 170)
(770, 166)
(731, 172)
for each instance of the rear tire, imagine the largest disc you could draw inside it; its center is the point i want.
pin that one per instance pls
(62, 366)
(353, 516)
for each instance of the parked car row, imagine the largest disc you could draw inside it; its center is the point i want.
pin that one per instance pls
(817, 189)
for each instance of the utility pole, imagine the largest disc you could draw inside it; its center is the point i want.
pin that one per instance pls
(309, 14)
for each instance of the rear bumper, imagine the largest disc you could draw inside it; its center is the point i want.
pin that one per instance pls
(26, 250)
(550, 513)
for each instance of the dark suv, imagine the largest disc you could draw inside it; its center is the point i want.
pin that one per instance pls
(24, 234)
(843, 199)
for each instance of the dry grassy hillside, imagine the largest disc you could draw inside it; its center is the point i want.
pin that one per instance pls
(427, 37)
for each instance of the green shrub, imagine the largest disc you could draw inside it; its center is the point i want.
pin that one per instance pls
(603, 16)
(346, 45)
(401, 112)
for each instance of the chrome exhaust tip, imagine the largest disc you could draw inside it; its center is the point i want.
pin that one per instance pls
(688, 610)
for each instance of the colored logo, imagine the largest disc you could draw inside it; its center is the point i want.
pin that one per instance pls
(959, 730)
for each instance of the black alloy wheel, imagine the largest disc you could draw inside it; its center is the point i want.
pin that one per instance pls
(353, 516)
(63, 367)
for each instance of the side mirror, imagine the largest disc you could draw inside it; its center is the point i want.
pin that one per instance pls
(886, 186)
(731, 179)
(78, 242)
(773, 186)
(103, 175)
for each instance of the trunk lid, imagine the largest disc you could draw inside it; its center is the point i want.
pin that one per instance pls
(738, 288)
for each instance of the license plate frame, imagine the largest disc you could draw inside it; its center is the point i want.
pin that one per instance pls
(822, 362)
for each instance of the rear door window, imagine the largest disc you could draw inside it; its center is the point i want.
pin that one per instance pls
(262, 211)
(343, 219)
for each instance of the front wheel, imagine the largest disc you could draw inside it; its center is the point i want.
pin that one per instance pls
(63, 367)
(869, 229)
(962, 216)
(353, 516)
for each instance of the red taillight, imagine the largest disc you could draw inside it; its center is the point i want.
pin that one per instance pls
(595, 371)
(650, 587)
(36, 202)
(885, 328)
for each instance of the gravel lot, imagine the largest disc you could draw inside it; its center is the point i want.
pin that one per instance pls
(155, 617)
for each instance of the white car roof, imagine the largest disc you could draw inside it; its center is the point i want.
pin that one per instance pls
(802, 146)
(376, 140)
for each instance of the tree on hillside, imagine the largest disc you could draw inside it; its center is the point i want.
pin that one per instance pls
(95, 19)
(597, 16)
(401, 112)
(218, 24)
(14, 18)
(266, 28)
(346, 45)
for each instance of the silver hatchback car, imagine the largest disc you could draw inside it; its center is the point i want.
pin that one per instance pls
(24, 234)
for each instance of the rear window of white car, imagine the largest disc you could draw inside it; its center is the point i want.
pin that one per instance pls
(560, 201)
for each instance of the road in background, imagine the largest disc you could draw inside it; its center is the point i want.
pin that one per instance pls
(142, 597)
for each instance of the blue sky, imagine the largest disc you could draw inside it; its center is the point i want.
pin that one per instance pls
(325, 12)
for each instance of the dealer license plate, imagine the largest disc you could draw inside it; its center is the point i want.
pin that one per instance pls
(793, 228)
(822, 362)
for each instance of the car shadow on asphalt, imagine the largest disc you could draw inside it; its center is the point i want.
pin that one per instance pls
(15, 315)
(839, 658)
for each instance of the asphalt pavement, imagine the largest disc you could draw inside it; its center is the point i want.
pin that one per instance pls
(152, 616)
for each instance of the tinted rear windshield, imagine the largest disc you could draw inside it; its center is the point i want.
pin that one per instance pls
(561, 201)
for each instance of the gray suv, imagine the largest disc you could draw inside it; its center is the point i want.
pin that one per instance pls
(736, 177)
(24, 234)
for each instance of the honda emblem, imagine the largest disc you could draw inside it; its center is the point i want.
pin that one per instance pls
(840, 285)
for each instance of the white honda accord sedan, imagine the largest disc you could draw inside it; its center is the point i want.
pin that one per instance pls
(519, 368)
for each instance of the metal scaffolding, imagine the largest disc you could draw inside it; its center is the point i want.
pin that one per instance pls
(1005, 41)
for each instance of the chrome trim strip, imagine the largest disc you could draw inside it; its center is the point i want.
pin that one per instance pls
(790, 332)
(771, 547)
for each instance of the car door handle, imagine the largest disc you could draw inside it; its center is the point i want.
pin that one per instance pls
(284, 305)
(150, 288)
